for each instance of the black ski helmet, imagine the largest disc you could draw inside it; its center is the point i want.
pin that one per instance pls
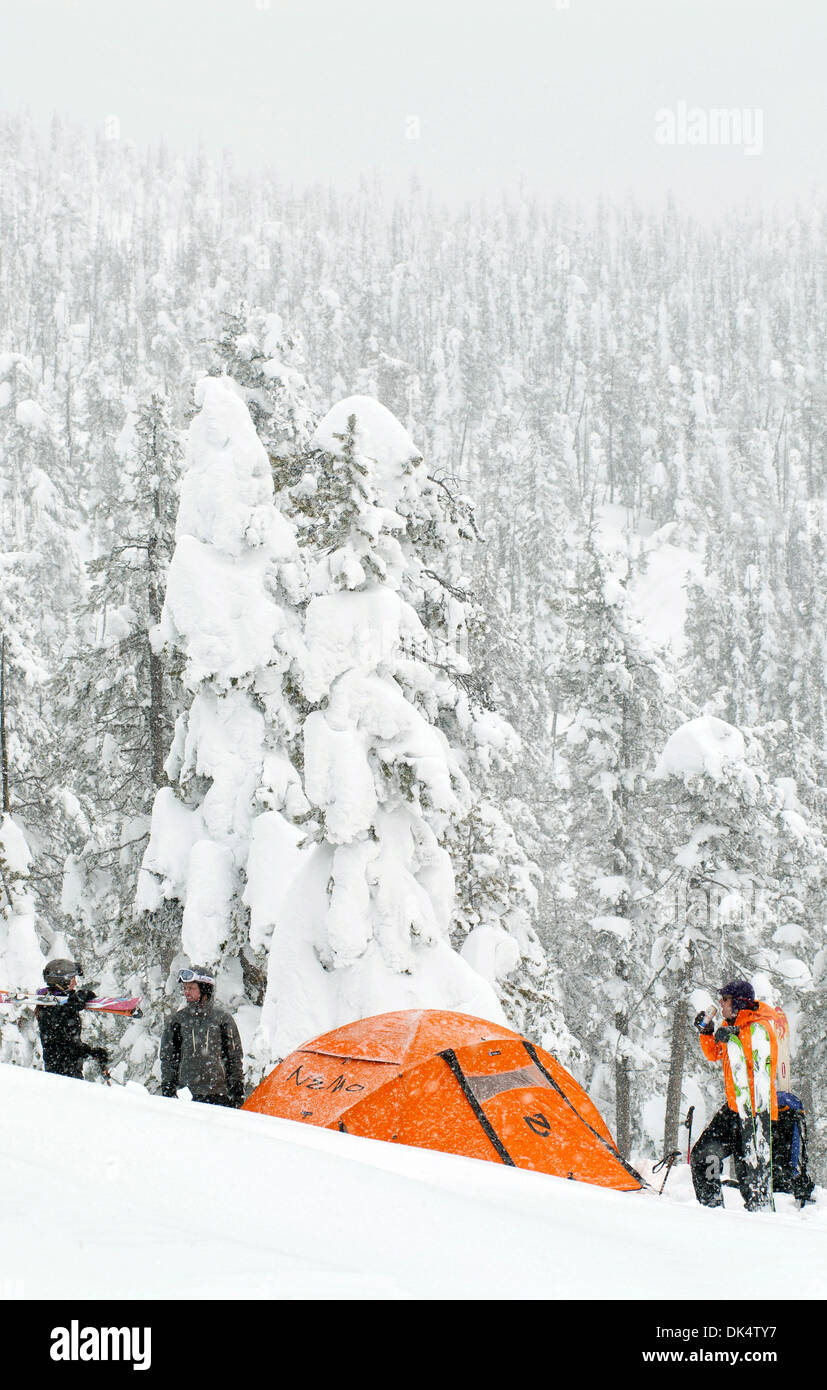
(740, 992)
(59, 974)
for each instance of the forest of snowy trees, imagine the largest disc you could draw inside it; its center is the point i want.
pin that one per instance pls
(401, 606)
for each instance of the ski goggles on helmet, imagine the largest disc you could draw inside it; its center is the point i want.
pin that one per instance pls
(195, 977)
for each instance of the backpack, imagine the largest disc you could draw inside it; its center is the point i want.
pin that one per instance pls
(789, 1149)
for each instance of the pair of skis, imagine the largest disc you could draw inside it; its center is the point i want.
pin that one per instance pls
(104, 1004)
(754, 1106)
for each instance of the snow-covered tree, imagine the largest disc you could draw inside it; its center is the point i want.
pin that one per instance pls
(119, 694)
(747, 861)
(267, 365)
(391, 735)
(615, 690)
(40, 576)
(219, 846)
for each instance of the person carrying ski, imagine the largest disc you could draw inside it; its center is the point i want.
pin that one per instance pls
(64, 1051)
(746, 1044)
(200, 1047)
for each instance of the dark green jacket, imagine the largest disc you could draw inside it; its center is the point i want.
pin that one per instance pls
(201, 1049)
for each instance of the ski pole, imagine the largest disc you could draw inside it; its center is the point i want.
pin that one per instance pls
(687, 1124)
(666, 1162)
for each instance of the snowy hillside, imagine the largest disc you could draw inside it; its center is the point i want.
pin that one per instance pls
(369, 718)
(145, 1198)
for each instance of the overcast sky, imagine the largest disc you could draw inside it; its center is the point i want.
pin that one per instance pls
(575, 99)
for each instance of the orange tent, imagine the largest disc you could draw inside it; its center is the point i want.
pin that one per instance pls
(447, 1081)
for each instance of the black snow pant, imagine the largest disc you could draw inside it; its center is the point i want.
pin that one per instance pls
(729, 1136)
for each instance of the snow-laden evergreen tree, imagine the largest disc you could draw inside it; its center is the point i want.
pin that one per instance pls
(40, 576)
(394, 731)
(267, 364)
(496, 912)
(615, 691)
(220, 850)
(747, 862)
(519, 593)
(120, 696)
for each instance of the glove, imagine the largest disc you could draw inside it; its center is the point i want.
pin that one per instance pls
(702, 1023)
(724, 1034)
(84, 995)
(100, 1055)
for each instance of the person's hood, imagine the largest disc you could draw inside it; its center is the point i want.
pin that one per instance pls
(762, 1013)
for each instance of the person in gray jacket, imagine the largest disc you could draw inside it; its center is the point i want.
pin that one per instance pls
(201, 1048)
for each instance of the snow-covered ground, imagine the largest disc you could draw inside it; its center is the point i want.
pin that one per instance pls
(136, 1197)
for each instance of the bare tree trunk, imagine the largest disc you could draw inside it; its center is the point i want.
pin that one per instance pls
(5, 801)
(680, 1023)
(5, 796)
(156, 670)
(611, 459)
(623, 1087)
(623, 1090)
(156, 721)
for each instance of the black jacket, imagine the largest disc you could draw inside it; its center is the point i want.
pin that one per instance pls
(63, 1049)
(201, 1049)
